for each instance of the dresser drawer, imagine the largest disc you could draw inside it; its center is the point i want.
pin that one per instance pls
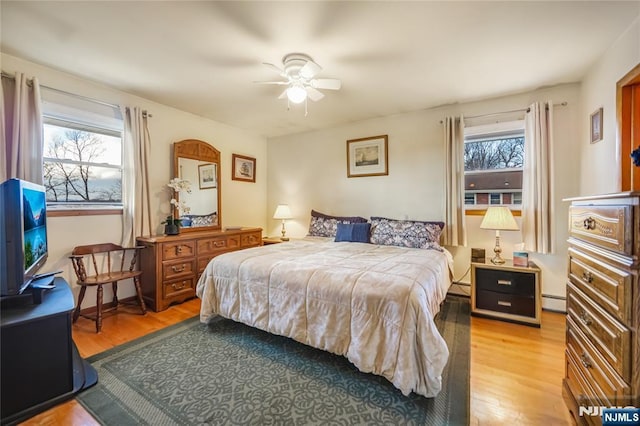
(609, 286)
(251, 240)
(583, 393)
(521, 283)
(607, 385)
(213, 246)
(178, 249)
(605, 226)
(506, 303)
(173, 270)
(178, 288)
(612, 339)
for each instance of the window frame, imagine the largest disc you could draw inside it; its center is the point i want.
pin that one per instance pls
(62, 209)
(479, 133)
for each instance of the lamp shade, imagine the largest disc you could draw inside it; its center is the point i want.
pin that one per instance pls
(499, 218)
(282, 212)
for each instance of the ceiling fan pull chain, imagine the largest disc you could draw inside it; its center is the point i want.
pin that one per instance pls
(305, 107)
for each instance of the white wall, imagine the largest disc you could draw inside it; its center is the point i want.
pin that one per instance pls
(242, 203)
(600, 171)
(309, 171)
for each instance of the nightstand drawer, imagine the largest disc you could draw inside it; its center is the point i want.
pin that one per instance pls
(519, 283)
(506, 303)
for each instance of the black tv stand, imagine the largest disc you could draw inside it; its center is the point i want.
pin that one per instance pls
(40, 365)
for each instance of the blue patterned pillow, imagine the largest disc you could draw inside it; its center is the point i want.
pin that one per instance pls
(354, 232)
(406, 233)
(323, 225)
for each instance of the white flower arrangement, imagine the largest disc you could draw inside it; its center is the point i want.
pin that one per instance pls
(178, 185)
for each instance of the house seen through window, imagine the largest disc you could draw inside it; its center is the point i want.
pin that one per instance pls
(493, 161)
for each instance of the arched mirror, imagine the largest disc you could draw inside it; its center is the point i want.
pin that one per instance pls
(199, 163)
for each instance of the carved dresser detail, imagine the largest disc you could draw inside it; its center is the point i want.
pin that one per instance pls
(602, 357)
(171, 265)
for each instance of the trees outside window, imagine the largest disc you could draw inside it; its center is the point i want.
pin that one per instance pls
(82, 165)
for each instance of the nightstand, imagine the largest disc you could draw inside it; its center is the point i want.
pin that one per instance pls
(506, 292)
(271, 240)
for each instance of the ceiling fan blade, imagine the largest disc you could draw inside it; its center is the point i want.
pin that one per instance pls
(276, 69)
(309, 70)
(283, 95)
(326, 83)
(314, 95)
(272, 82)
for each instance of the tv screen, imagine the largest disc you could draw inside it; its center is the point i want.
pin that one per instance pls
(23, 229)
(34, 229)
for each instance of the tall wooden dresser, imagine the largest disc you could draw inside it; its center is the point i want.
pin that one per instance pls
(603, 305)
(172, 264)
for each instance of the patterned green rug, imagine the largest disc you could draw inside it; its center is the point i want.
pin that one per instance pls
(228, 373)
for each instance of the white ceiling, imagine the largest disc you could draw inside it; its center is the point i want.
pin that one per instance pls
(392, 57)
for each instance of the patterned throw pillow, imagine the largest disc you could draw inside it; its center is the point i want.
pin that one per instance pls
(323, 225)
(406, 233)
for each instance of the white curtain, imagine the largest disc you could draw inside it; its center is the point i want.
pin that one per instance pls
(136, 213)
(537, 180)
(22, 140)
(455, 231)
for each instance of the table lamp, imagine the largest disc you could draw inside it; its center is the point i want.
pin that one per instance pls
(500, 219)
(283, 212)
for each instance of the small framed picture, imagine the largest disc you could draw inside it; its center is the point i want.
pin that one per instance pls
(596, 126)
(367, 156)
(208, 175)
(243, 168)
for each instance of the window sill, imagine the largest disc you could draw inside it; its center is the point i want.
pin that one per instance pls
(482, 211)
(63, 212)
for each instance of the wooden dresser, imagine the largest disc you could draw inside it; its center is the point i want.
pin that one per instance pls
(172, 264)
(603, 303)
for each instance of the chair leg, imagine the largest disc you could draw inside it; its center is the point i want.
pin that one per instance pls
(143, 306)
(114, 286)
(99, 310)
(76, 312)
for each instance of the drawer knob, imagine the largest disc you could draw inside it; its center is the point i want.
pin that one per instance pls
(589, 223)
(585, 318)
(180, 268)
(585, 360)
(504, 303)
(587, 276)
(178, 249)
(504, 282)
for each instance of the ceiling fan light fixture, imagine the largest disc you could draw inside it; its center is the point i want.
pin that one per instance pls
(296, 93)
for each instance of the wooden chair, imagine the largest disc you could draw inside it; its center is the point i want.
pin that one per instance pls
(101, 256)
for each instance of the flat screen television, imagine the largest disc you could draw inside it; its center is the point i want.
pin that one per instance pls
(23, 231)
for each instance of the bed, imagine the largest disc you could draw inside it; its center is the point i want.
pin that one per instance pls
(372, 303)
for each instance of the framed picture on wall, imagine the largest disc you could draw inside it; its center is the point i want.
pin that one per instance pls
(367, 156)
(207, 175)
(243, 168)
(596, 126)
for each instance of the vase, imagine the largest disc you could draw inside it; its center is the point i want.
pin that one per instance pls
(171, 229)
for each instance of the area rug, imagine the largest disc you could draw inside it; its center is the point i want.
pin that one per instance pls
(226, 373)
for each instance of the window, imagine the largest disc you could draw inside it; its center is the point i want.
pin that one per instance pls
(82, 165)
(82, 153)
(493, 160)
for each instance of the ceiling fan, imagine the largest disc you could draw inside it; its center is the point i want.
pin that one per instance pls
(299, 71)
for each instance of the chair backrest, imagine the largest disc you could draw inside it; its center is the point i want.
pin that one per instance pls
(101, 256)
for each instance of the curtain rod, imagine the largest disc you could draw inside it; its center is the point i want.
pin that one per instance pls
(508, 112)
(471, 117)
(75, 95)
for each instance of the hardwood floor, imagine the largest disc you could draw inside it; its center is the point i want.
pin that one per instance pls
(516, 371)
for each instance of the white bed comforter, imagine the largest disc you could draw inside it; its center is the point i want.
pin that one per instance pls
(373, 304)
